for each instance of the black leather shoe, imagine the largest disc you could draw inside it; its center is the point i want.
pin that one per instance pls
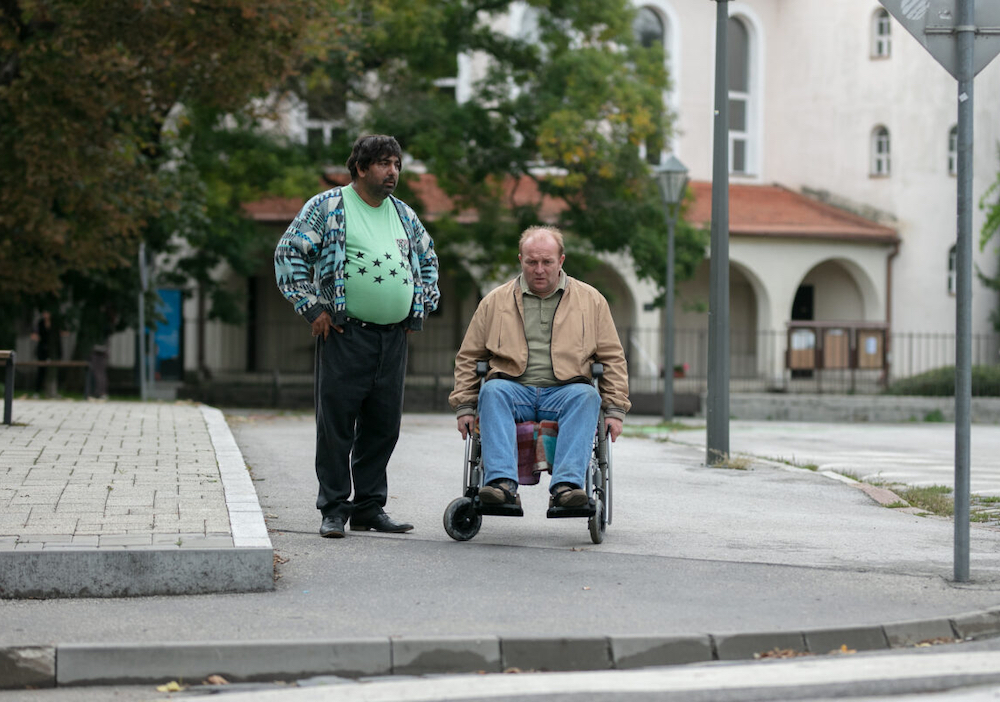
(380, 522)
(332, 528)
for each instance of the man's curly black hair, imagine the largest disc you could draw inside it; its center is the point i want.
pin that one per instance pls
(369, 149)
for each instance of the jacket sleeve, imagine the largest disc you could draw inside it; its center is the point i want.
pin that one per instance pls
(613, 385)
(465, 396)
(295, 257)
(428, 266)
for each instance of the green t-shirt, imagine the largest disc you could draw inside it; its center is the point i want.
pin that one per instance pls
(378, 283)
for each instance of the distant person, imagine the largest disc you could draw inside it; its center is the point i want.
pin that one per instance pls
(539, 333)
(46, 338)
(357, 261)
(99, 357)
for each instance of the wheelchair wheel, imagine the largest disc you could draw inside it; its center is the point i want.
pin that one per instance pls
(461, 521)
(597, 522)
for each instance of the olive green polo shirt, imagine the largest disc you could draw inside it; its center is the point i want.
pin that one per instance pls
(538, 315)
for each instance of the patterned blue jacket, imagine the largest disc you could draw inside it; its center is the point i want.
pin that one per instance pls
(309, 260)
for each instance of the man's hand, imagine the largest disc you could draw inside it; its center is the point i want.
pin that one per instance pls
(613, 426)
(465, 424)
(322, 325)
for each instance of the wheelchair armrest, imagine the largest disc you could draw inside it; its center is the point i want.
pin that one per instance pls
(482, 368)
(596, 370)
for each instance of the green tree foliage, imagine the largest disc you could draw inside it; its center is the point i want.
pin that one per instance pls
(990, 203)
(565, 105)
(86, 89)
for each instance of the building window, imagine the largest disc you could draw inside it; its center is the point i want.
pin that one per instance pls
(880, 165)
(952, 269)
(648, 29)
(881, 35)
(739, 96)
(953, 151)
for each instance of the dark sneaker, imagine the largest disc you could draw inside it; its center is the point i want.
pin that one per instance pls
(500, 492)
(565, 495)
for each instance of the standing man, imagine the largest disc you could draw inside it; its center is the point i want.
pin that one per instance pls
(359, 266)
(540, 332)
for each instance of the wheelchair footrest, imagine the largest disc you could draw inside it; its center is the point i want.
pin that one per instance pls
(587, 510)
(497, 510)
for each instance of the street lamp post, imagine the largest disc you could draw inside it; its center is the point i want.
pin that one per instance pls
(671, 177)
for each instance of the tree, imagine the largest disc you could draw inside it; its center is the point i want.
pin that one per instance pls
(86, 90)
(990, 203)
(576, 94)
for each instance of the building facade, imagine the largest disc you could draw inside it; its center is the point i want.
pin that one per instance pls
(842, 148)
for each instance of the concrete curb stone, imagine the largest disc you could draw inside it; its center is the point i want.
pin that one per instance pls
(912, 633)
(867, 638)
(638, 651)
(445, 654)
(735, 647)
(108, 664)
(974, 625)
(556, 653)
(113, 664)
(27, 666)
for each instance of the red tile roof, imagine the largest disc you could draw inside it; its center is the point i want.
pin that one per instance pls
(754, 210)
(774, 211)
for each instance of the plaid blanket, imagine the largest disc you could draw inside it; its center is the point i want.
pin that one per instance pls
(536, 448)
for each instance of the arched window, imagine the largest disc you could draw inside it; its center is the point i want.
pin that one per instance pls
(739, 96)
(648, 30)
(648, 27)
(881, 164)
(953, 151)
(881, 34)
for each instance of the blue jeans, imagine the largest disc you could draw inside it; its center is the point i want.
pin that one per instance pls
(504, 403)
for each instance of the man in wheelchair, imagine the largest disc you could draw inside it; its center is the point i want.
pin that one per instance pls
(539, 333)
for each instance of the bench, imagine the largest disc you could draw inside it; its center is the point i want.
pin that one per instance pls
(53, 380)
(9, 358)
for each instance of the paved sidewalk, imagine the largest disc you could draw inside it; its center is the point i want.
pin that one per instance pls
(83, 484)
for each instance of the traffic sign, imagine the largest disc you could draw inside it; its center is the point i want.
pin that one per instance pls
(932, 22)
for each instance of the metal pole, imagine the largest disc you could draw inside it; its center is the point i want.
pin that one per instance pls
(966, 34)
(717, 410)
(668, 332)
(142, 320)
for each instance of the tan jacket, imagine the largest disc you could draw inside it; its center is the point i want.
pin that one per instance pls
(582, 332)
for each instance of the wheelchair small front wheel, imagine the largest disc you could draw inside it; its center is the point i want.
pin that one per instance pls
(597, 522)
(461, 521)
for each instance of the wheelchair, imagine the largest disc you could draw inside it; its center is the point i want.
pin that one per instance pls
(464, 515)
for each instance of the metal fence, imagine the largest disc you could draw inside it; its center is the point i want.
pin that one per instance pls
(759, 361)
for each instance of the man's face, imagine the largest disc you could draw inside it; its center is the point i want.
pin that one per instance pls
(381, 178)
(541, 263)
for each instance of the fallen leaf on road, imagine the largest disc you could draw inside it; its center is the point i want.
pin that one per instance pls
(781, 653)
(215, 680)
(172, 686)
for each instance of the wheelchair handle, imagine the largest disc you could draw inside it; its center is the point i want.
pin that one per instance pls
(482, 368)
(597, 370)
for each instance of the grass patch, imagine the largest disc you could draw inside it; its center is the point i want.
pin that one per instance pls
(733, 462)
(934, 416)
(935, 499)
(659, 428)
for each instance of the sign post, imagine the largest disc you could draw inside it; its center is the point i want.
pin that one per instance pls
(948, 30)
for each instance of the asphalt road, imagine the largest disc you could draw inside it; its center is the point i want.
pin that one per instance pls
(691, 550)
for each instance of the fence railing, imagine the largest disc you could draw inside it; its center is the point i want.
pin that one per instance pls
(759, 361)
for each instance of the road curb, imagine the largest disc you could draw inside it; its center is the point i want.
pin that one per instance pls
(237, 661)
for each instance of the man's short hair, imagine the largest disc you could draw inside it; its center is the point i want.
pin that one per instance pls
(538, 229)
(371, 148)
